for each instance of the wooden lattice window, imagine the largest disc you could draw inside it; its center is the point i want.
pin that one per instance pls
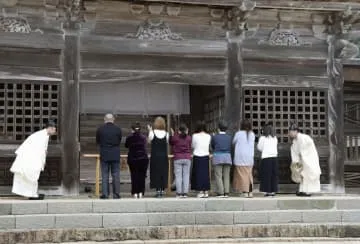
(283, 106)
(25, 107)
(213, 112)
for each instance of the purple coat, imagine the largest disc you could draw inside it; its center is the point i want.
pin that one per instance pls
(136, 142)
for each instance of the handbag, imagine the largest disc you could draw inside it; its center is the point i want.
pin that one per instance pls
(296, 169)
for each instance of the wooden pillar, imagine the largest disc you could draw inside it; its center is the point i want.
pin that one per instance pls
(233, 84)
(336, 119)
(70, 101)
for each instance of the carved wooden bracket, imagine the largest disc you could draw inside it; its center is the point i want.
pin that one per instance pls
(338, 27)
(340, 23)
(237, 17)
(74, 13)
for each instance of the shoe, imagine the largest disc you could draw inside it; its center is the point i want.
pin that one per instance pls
(103, 197)
(267, 195)
(226, 195)
(40, 197)
(200, 195)
(158, 194)
(206, 194)
(135, 195)
(220, 196)
(162, 193)
(184, 196)
(173, 188)
(250, 195)
(302, 194)
(140, 195)
(178, 195)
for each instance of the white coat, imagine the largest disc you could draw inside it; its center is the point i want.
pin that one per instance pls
(303, 151)
(29, 162)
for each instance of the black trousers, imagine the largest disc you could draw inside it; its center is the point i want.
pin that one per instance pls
(138, 171)
(269, 175)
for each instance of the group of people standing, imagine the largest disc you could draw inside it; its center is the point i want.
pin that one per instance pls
(192, 158)
(191, 154)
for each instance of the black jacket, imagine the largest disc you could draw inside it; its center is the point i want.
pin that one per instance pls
(108, 137)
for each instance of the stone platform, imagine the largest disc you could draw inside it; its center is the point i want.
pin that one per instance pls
(161, 219)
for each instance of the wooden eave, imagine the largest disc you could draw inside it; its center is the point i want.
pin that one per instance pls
(274, 4)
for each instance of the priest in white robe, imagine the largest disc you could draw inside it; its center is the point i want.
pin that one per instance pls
(30, 161)
(303, 151)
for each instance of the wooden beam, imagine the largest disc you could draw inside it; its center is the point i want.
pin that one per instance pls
(305, 5)
(31, 40)
(27, 57)
(70, 102)
(255, 50)
(146, 62)
(113, 45)
(336, 120)
(131, 76)
(285, 81)
(29, 73)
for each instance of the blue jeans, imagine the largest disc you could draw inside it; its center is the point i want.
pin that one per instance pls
(114, 167)
(182, 175)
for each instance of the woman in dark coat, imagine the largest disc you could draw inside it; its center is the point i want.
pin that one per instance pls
(159, 165)
(137, 159)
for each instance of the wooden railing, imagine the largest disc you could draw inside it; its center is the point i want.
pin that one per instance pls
(352, 150)
(98, 171)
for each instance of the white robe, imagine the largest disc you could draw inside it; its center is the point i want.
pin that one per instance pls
(29, 162)
(303, 151)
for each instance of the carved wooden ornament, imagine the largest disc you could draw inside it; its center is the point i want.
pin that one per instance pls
(14, 24)
(154, 30)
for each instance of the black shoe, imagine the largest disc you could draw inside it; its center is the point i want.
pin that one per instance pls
(173, 188)
(268, 195)
(40, 197)
(158, 194)
(103, 197)
(303, 194)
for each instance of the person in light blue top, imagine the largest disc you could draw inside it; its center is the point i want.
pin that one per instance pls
(244, 141)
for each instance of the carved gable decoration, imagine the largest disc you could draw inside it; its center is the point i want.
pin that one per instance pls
(280, 37)
(155, 30)
(14, 24)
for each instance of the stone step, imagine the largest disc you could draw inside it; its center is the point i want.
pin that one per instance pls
(122, 220)
(170, 205)
(157, 233)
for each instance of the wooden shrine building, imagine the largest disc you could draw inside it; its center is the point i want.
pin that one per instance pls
(273, 61)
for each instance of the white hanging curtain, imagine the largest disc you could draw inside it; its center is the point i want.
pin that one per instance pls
(135, 98)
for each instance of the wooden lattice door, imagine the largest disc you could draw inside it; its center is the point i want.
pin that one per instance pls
(25, 107)
(283, 106)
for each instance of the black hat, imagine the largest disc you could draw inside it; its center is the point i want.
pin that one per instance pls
(50, 123)
(294, 127)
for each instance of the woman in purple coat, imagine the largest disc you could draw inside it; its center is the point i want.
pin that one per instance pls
(138, 160)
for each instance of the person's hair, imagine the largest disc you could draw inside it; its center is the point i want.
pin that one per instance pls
(136, 127)
(294, 127)
(159, 123)
(50, 123)
(109, 118)
(222, 126)
(200, 126)
(183, 130)
(268, 130)
(246, 126)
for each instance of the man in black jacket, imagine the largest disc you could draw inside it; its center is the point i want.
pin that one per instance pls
(108, 137)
